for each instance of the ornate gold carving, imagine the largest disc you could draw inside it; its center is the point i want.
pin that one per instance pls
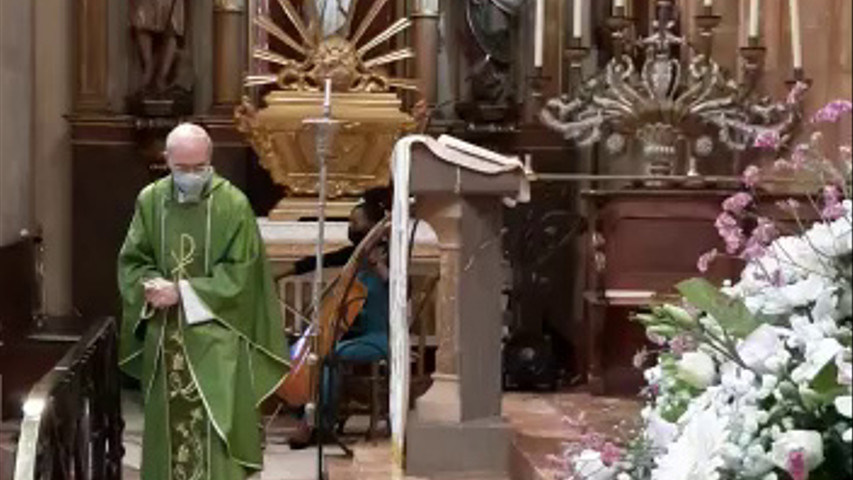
(370, 114)
(360, 153)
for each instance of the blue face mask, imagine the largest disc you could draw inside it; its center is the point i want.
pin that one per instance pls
(190, 185)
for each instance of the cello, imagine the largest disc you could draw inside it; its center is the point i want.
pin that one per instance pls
(340, 304)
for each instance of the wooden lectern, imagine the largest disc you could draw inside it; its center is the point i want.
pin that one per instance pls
(457, 424)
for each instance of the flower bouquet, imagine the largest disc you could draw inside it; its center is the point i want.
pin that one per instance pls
(753, 380)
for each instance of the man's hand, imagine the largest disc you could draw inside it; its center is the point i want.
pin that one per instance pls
(377, 259)
(161, 293)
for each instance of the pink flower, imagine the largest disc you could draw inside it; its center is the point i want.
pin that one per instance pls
(725, 221)
(682, 343)
(831, 194)
(705, 260)
(752, 250)
(768, 139)
(737, 202)
(610, 454)
(765, 232)
(797, 465)
(730, 231)
(750, 176)
(833, 212)
(832, 111)
(832, 207)
(734, 240)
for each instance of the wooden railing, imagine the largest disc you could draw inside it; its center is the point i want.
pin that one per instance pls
(72, 425)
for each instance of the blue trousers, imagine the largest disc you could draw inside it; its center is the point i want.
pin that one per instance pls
(366, 348)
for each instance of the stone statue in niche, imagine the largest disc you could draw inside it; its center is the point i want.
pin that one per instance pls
(491, 25)
(159, 28)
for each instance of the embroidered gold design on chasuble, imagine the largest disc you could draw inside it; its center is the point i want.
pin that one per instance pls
(187, 418)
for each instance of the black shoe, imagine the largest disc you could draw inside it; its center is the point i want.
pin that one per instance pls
(295, 444)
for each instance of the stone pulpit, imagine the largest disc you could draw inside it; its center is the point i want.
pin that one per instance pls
(460, 190)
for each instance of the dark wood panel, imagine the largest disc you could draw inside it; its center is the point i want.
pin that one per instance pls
(105, 182)
(652, 240)
(17, 289)
(21, 365)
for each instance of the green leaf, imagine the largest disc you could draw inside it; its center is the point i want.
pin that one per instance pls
(825, 384)
(731, 313)
(645, 319)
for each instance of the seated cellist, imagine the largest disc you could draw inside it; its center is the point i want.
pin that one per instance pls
(367, 339)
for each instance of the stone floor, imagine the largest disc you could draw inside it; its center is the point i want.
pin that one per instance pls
(281, 463)
(542, 424)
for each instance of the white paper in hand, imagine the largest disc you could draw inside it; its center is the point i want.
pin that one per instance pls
(195, 310)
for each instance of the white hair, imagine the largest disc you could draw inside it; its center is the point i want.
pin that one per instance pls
(188, 132)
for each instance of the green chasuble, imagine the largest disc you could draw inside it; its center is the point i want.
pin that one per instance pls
(207, 363)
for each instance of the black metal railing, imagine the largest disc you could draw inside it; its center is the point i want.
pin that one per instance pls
(72, 425)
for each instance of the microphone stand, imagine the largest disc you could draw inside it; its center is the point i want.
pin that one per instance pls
(325, 128)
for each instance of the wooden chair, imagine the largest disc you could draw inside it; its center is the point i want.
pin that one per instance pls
(365, 386)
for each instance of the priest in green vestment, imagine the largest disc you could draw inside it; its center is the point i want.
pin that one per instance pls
(201, 326)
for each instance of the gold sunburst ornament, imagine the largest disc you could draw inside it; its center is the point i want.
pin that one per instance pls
(363, 101)
(327, 52)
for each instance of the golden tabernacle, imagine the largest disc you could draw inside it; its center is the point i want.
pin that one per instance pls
(362, 101)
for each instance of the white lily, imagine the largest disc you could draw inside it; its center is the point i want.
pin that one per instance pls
(818, 354)
(807, 441)
(697, 369)
(759, 346)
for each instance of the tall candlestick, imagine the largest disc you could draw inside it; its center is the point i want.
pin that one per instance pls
(539, 34)
(753, 18)
(327, 97)
(796, 44)
(577, 19)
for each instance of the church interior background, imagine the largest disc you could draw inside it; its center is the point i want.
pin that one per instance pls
(629, 121)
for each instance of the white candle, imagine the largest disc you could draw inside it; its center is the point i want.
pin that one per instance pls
(577, 19)
(753, 18)
(796, 45)
(327, 99)
(539, 34)
(618, 4)
(708, 3)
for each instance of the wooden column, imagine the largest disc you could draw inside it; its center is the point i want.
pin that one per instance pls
(229, 23)
(425, 18)
(91, 55)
